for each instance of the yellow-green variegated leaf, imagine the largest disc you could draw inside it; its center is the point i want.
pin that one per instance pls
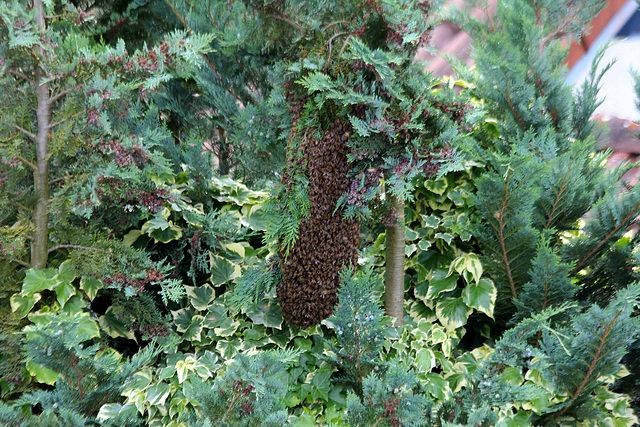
(452, 312)
(41, 373)
(200, 296)
(481, 296)
(22, 304)
(90, 286)
(37, 280)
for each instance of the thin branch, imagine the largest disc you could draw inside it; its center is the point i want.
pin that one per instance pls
(206, 58)
(507, 98)
(17, 73)
(594, 362)
(59, 95)
(331, 24)
(17, 261)
(86, 248)
(19, 205)
(603, 241)
(59, 122)
(55, 181)
(331, 46)
(31, 135)
(280, 16)
(505, 256)
(27, 163)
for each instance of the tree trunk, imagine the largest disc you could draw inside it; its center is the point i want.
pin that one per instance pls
(40, 242)
(394, 280)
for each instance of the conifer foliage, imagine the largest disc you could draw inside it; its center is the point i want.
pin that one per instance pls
(542, 174)
(353, 66)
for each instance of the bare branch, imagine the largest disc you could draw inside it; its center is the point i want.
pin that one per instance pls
(59, 122)
(17, 261)
(19, 205)
(27, 163)
(331, 46)
(17, 73)
(86, 248)
(31, 135)
(55, 181)
(59, 95)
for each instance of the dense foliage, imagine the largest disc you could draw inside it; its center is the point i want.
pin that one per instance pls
(255, 212)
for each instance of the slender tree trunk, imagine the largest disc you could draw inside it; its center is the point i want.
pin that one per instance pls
(394, 280)
(40, 243)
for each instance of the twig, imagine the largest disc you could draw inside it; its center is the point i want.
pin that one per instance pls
(19, 205)
(31, 135)
(501, 225)
(59, 95)
(592, 366)
(59, 122)
(603, 241)
(27, 163)
(280, 16)
(86, 248)
(19, 74)
(17, 261)
(331, 46)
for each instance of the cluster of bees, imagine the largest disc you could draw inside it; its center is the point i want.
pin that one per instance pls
(326, 242)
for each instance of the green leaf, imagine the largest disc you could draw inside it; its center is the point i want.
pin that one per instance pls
(409, 250)
(321, 382)
(430, 221)
(182, 318)
(114, 326)
(424, 244)
(444, 236)
(141, 380)
(74, 305)
(425, 360)
(267, 314)
(452, 312)
(22, 304)
(86, 328)
(41, 373)
(91, 286)
(216, 316)
(457, 197)
(470, 263)
(130, 238)
(192, 333)
(305, 420)
(410, 235)
(434, 384)
(511, 376)
(200, 296)
(183, 367)
(436, 287)
(157, 394)
(37, 280)
(437, 186)
(161, 229)
(64, 291)
(66, 273)
(227, 328)
(222, 270)
(111, 410)
(481, 296)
